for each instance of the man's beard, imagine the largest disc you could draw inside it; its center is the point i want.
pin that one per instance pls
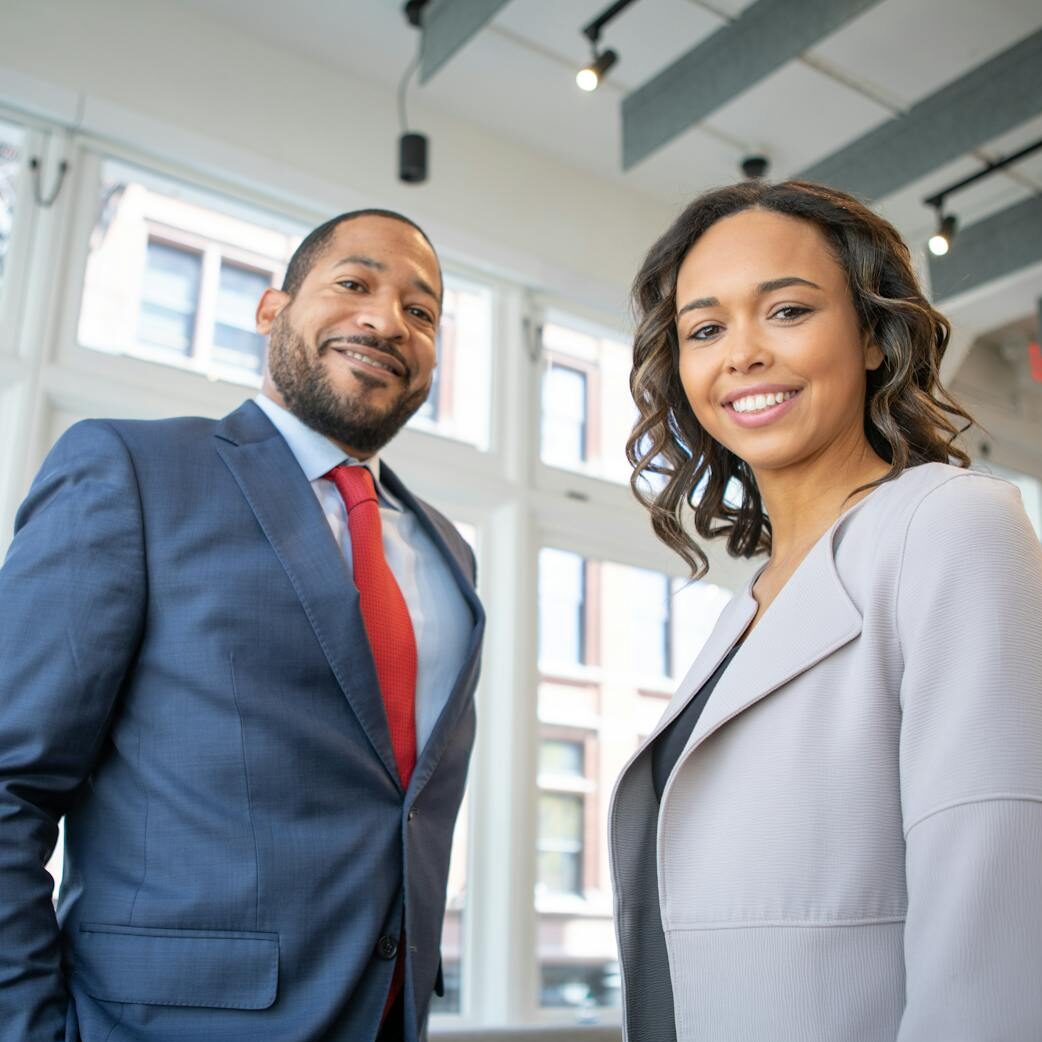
(309, 395)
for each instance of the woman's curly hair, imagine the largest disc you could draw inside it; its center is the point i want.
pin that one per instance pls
(909, 417)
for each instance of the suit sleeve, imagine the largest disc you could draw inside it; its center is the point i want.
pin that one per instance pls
(969, 618)
(72, 601)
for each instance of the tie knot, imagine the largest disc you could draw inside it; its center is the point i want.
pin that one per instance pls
(355, 484)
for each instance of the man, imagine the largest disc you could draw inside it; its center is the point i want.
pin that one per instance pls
(241, 664)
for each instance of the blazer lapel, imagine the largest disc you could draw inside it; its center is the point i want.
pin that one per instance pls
(431, 753)
(811, 617)
(290, 516)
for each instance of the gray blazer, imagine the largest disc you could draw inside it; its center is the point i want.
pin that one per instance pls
(850, 847)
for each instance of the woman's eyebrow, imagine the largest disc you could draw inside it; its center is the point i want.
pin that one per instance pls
(764, 287)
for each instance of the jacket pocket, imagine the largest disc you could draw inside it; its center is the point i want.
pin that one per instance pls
(220, 969)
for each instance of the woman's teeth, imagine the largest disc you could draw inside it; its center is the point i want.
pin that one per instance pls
(758, 402)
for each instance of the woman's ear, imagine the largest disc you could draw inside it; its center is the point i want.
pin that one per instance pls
(874, 356)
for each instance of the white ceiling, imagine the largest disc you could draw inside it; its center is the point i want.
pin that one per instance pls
(515, 78)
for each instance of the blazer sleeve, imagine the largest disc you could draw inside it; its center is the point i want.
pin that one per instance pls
(969, 621)
(72, 601)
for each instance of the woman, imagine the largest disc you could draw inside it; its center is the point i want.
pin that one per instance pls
(835, 832)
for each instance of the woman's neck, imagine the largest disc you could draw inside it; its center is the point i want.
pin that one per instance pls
(803, 501)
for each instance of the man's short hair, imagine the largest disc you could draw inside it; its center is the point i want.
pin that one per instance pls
(305, 255)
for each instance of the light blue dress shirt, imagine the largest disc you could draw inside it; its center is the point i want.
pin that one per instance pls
(441, 619)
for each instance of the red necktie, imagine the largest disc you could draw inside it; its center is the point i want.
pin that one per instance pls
(391, 637)
(384, 612)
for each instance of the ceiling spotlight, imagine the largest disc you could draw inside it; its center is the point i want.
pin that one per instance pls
(589, 77)
(941, 241)
(755, 167)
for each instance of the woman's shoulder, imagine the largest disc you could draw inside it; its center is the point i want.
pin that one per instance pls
(946, 496)
(933, 512)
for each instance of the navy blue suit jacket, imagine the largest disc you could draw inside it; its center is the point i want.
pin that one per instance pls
(185, 676)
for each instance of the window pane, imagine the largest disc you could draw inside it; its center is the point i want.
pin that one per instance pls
(169, 298)
(564, 417)
(560, 843)
(174, 273)
(587, 411)
(458, 404)
(561, 607)
(235, 340)
(10, 163)
(649, 635)
(644, 628)
(561, 757)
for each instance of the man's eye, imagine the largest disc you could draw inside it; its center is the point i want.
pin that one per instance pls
(421, 313)
(350, 284)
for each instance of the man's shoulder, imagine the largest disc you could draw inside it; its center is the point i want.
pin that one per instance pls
(178, 433)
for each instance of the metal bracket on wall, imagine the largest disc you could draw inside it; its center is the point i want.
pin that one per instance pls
(41, 199)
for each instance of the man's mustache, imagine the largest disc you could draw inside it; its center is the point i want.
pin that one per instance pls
(373, 342)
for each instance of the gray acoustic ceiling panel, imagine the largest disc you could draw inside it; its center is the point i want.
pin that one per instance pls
(996, 246)
(995, 97)
(764, 37)
(447, 26)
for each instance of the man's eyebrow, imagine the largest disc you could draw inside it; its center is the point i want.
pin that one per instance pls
(764, 287)
(375, 265)
(366, 262)
(425, 287)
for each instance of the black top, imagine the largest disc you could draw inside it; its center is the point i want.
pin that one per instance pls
(670, 744)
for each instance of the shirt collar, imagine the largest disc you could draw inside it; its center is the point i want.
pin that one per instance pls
(315, 453)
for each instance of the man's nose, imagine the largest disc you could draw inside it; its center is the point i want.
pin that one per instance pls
(384, 317)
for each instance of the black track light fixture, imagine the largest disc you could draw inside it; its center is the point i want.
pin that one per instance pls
(754, 168)
(589, 77)
(412, 145)
(941, 240)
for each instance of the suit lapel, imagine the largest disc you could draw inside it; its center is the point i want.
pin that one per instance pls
(289, 514)
(811, 617)
(431, 523)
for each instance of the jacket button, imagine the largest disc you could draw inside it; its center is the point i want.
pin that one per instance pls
(412, 814)
(387, 947)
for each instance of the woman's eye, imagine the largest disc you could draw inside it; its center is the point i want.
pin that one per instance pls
(704, 332)
(790, 312)
(350, 284)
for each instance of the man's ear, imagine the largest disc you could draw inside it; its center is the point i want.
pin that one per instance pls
(272, 302)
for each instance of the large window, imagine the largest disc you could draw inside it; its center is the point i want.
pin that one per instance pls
(642, 631)
(174, 274)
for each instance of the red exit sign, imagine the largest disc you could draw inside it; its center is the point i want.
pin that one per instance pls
(1035, 362)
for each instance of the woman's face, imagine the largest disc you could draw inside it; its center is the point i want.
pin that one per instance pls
(771, 357)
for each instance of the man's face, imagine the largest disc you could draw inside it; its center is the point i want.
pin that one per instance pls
(352, 353)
